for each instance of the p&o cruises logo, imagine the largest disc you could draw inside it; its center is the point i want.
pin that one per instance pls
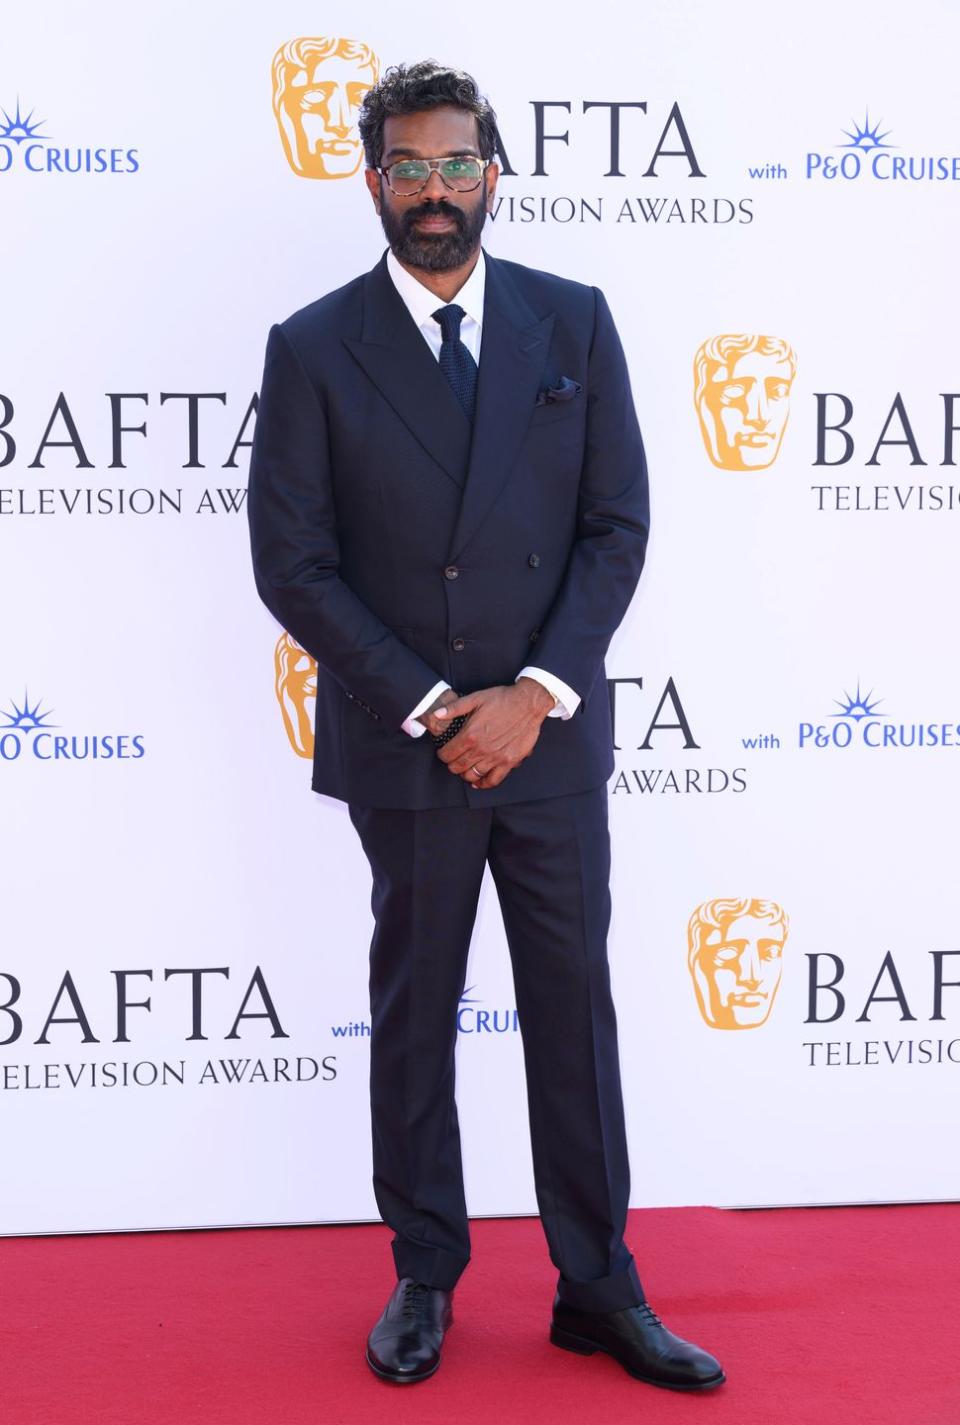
(25, 145)
(860, 723)
(867, 154)
(27, 731)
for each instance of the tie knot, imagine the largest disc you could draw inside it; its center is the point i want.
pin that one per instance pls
(450, 318)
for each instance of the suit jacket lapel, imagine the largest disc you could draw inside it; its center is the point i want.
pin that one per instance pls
(514, 344)
(513, 352)
(397, 359)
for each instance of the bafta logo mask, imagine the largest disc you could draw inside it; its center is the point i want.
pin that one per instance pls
(318, 87)
(742, 395)
(295, 681)
(734, 954)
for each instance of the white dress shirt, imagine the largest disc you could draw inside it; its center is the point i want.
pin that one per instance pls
(421, 303)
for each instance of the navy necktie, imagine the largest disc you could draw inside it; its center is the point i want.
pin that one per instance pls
(456, 363)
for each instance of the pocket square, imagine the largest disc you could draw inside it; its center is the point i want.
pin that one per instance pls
(564, 390)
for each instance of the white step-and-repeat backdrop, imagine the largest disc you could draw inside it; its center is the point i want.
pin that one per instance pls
(769, 200)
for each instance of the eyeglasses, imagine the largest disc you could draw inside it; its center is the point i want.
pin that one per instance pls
(407, 176)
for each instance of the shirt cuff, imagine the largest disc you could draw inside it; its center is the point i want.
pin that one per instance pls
(567, 700)
(417, 729)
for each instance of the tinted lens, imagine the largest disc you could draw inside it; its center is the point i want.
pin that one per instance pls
(408, 175)
(461, 173)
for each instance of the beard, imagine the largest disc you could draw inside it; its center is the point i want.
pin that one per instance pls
(435, 252)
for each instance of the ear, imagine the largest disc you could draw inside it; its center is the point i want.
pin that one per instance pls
(491, 175)
(372, 180)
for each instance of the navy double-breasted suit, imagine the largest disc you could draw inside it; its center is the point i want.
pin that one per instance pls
(398, 551)
(401, 545)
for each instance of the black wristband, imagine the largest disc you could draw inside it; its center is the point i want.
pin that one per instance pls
(448, 732)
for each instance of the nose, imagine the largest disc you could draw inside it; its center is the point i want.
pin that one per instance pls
(434, 188)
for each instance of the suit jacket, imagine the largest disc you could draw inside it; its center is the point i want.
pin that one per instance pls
(399, 545)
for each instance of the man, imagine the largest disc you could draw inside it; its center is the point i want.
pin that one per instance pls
(448, 510)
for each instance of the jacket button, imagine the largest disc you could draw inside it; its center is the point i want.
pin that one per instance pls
(534, 561)
(535, 635)
(451, 572)
(458, 645)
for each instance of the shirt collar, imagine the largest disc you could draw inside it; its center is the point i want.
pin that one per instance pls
(421, 303)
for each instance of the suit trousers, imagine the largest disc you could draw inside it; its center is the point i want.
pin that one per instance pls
(550, 862)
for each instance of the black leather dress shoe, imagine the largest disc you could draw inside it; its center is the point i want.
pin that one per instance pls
(638, 1339)
(404, 1346)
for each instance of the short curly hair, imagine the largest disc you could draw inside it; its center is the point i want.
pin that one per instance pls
(411, 88)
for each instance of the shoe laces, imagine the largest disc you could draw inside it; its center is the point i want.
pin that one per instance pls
(416, 1300)
(649, 1316)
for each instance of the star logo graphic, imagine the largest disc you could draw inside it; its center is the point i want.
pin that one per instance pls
(865, 137)
(25, 718)
(18, 129)
(858, 706)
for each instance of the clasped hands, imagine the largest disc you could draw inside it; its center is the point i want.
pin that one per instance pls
(502, 727)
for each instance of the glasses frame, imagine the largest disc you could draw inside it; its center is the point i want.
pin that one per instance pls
(433, 165)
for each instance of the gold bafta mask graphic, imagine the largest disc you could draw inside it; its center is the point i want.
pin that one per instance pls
(295, 681)
(318, 87)
(734, 954)
(741, 389)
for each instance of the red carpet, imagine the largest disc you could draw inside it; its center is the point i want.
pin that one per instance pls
(821, 1316)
